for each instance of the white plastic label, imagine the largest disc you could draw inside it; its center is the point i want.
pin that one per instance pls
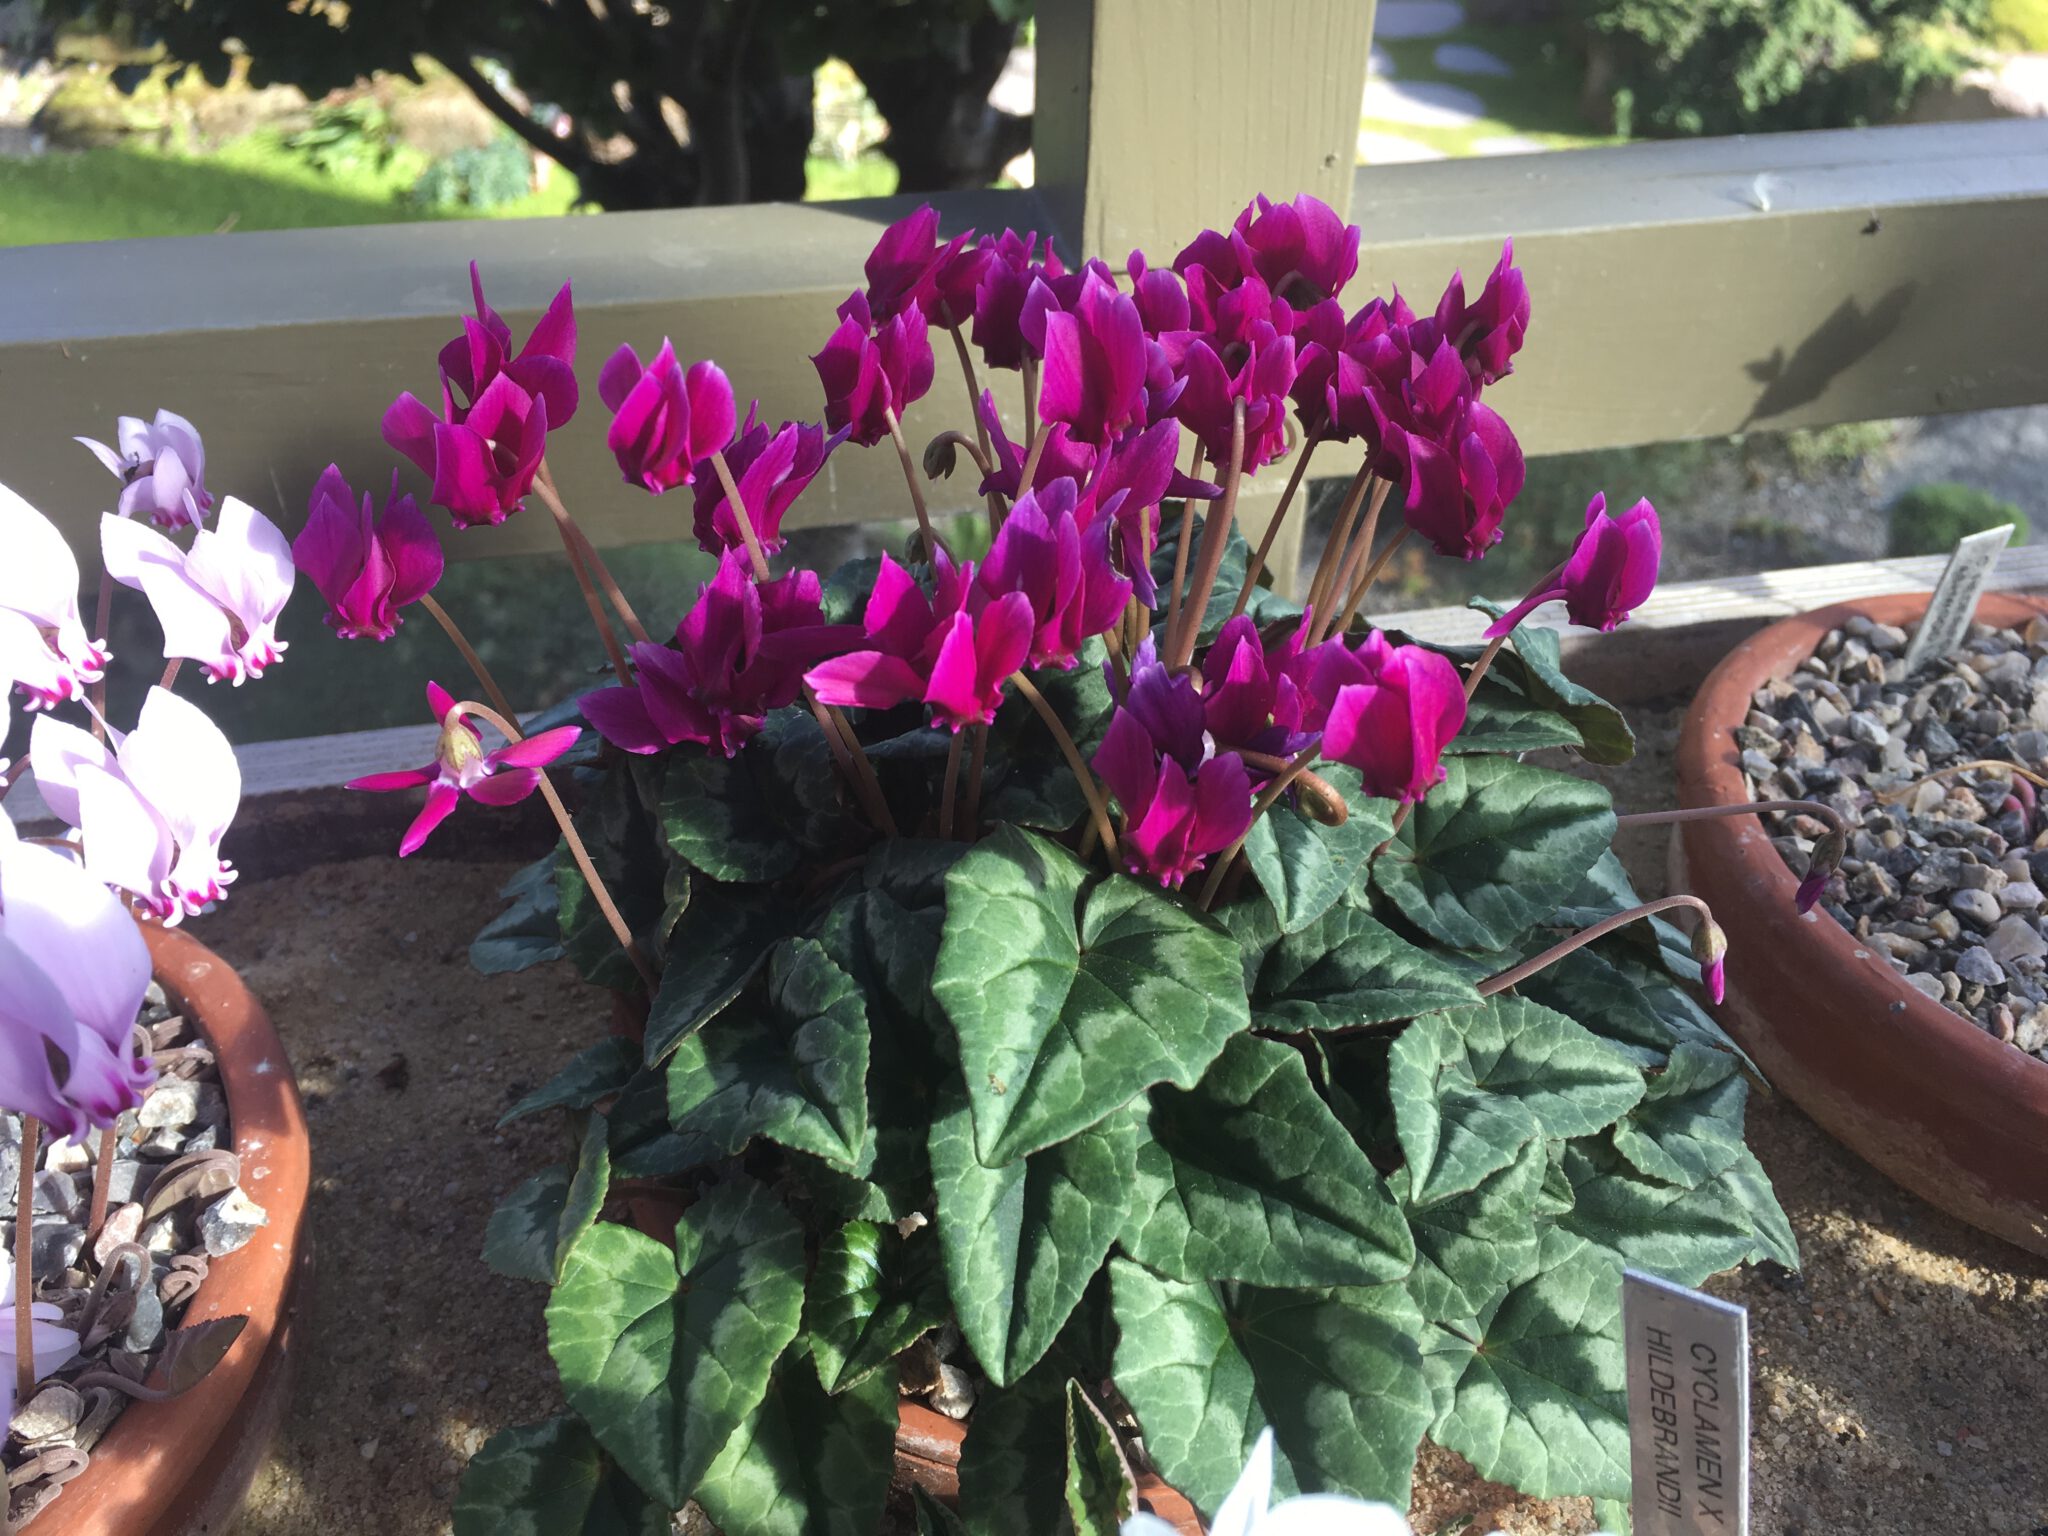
(1688, 1409)
(1954, 602)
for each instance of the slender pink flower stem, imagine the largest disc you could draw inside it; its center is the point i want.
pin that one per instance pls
(1372, 574)
(1479, 667)
(1585, 936)
(592, 560)
(973, 393)
(1334, 616)
(852, 759)
(1093, 791)
(757, 557)
(504, 727)
(1338, 544)
(1031, 457)
(1268, 797)
(1215, 539)
(102, 1180)
(1258, 560)
(970, 808)
(924, 522)
(476, 663)
(612, 649)
(1180, 555)
(24, 1260)
(1905, 791)
(1030, 401)
(1813, 808)
(949, 795)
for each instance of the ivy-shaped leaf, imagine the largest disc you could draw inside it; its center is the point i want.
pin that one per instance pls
(1072, 993)
(1013, 1463)
(551, 1479)
(1345, 970)
(532, 1230)
(1304, 866)
(1538, 655)
(795, 1071)
(594, 1073)
(1022, 1241)
(1100, 1489)
(526, 933)
(1533, 1389)
(1746, 1183)
(715, 819)
(1470, 1247)
(665, 1353)
(1489, 852)
(1334, 1372)
(1680, 1234)
(626, 849)
(1249, 1176)
(1688, 1129)
(1500, 719)
(872, 1295)
(721, 940)
(806, 1462)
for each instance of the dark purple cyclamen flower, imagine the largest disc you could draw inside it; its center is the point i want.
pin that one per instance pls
(1252, 700)
(483, 465)
(951, 652)
(1376, 352)
(1007, 274)
(1207, 406)
(1459, 489)
(1063, 570)
(1094, 363)
(664, 421)
(503, 776)
(1139, 474)
(1161, 297)
(545, 366)
(1302, 250)
(1231, 318)
(1388, 711)
(366, 567)
(870, 373)
(739, 653)
(1051, 294)
(1487, 332)
(1181, 801)
(1061, 456)
(771, 471)
(1710, 949)
(909, 267)
(1611, 570)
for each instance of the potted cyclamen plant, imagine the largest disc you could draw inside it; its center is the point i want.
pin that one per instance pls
(121, 1227)
(1077, 989)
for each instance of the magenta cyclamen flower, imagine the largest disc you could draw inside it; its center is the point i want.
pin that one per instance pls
(1095, 363)
(461, 766)
(1252, 701)
(1137, 476)
(771, 471)
(544, 368)
(44, 649)
(1009, 269)
(1060, 457)
(951, 652)
(1064, 572)
(1207, 407)
(483, 464)
(1388, 711)
(1181, 801)
(664, 420)
(1460, 463)
(870, 372)
(219, 602)
(366, 566)
(161, 465)
(1611, 570)
(1487, 332)
(1301, 250)
(739, 653)
(909, 267)
(73, 970)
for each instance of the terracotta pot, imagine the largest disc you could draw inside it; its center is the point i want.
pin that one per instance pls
(1953, 1114)
(183, 1467)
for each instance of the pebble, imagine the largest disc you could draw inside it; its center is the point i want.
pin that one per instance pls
(1928, 986)
(174, 1103)
(56, 1193)
(56, 1244)
(230, 1222)
(146, 1324)
(1979, 907)
(2015, 939)
(2020, 896)
(954, 1395)
(50, 1417)
(1976, 966)
(123, 1225)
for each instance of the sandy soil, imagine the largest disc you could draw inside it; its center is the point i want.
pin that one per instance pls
(1901, 1379)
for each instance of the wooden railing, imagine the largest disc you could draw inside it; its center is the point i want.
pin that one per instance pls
(1681, 289)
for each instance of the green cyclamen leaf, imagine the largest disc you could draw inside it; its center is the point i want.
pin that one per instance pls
(626, 850)
(1490, 851)
(795, 1072)
(1537, 655)
(871, 1296)
(1470, 1247)
(1100, 1489)
(1499, 719)
(1681, 1234)
(550, 1479)
(532, 1230)
(666, 1353)
(526, 933)
(1249, 1176)
(1071, 994)
(1344, 970)
(1013, 1463)
(1334, 1372)
(715, 818)
(1533, 1390)
(1303, 866)
(806, 1463)
(1688, 1129)
(1022, 1241)
(720, 941)
(595, 1073)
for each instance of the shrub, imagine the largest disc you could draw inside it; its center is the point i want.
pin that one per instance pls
(500, 172)
(1928, 519)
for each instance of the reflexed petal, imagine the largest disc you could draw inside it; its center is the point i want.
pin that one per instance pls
(537, 751)
(441, 800)
(412, 547)
(505, 788)
(32, 1011)
(245, 563)
(620, 716)
(128, 843)
(39, 576)
(81, 936)
(409, 427)
(867, 679)
(398, 778)
(56, 751)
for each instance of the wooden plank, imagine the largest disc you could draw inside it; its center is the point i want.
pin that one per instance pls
(1667, 647)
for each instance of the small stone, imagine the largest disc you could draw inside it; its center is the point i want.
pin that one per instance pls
(1927, 986)
(1979, 907)
(67, 1156)
(173, 1102)
(161, 1235)
(1980, 877)
(51, 1417)
(408, 1410)
(56, 1193)
(56, 1245)
(1947, 926)
(2031, 1033)
(1898, 946)
(368, 1449)
(230, 1222)
(1756, 765)
(2015, 939)
(2020, 896)
(954, 1395)
(123, 1225)
(1865, 728)
(1886, 637)
(1928, 797)
(162, 1144)
(128, 1180)
(1976, 967)
(146, 1323)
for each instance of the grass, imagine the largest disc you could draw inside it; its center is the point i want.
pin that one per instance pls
(1538, 102)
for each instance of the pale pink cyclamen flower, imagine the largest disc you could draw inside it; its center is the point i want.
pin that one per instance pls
(43, 645)
(219, 602)
(152, 804)
(161, 465)
(503, 776)
(73, 970)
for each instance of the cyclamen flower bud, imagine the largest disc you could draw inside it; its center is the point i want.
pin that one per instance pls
(1821, 865)
(1710, 949)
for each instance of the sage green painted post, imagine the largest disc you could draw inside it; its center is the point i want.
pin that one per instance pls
(1157, 118)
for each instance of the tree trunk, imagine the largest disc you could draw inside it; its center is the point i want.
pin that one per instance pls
(943, 134)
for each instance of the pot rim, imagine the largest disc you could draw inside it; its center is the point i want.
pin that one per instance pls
(153, 1466)
(1708, 774)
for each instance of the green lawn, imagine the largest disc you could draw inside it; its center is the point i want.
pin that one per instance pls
(1538, 102)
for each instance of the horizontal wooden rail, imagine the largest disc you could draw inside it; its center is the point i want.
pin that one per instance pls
(1681, 290)
(1666, 648)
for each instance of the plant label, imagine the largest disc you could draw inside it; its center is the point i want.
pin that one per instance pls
(1955, 596)
(1688, 1409)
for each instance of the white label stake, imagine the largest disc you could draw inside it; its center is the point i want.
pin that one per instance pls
(1688, 1409)
(1954, 603)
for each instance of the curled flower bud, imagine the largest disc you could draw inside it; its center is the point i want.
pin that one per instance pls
(940, 455)
(1821, 865)
(1710, 948)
